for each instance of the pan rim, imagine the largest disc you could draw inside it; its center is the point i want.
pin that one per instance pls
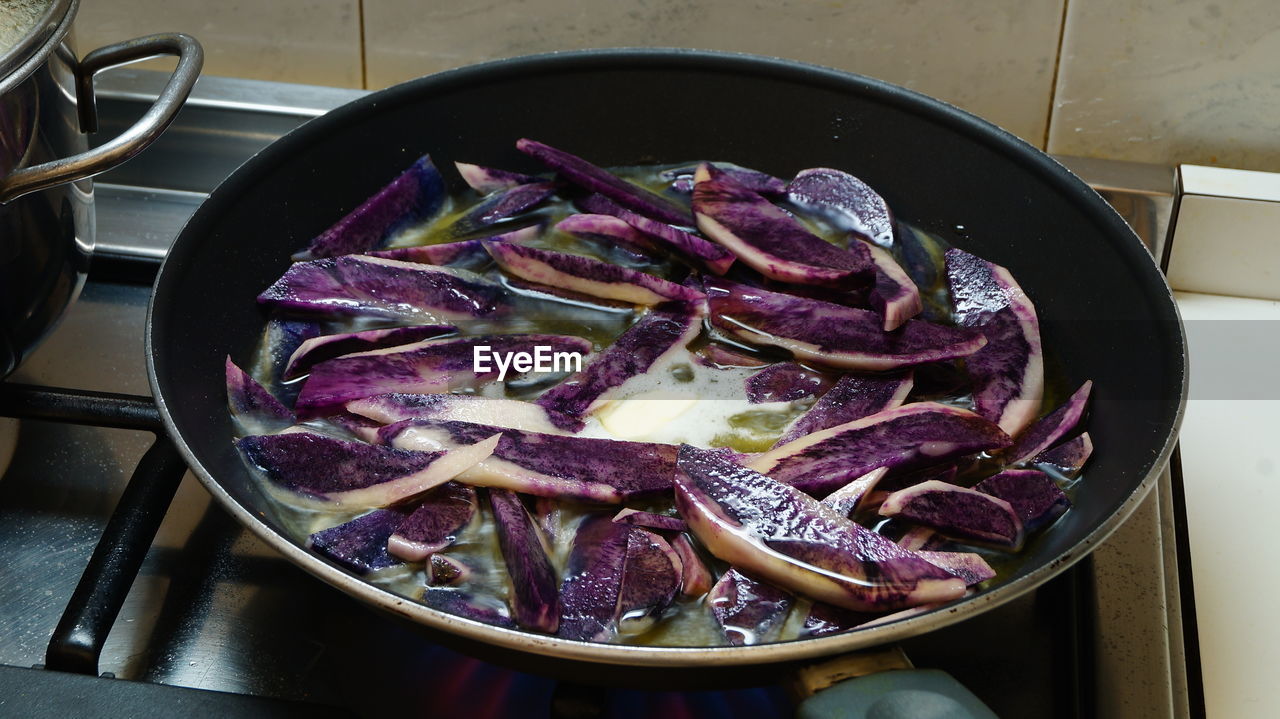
(973, 127)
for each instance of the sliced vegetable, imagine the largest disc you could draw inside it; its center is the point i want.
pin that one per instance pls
(489, 179)
(959, 513)
(465, 254)
(326, 347)
(922, 539)
(793, 541)
(444, 571)
(477, 608)
(686, 245)
(495, 411)
(535, 596)
(970, 567)
(592, 178)
(502, 205)
(846, 499)
(695, 578)
(906, 437)
(1051, 428)
(430, 366)
(853, 397)
(362, 428)
(748, 611)
(415, 195)
(593, 580)
(1008, 372)
(1032, 494)
(660, 335)
(1069, 457)
(682, 179)
(252, 404)
(767, 238)
(785, 382)
(376, 287)
(718, 355)
(845, 200)
(608, 226)
(637, 518)
(354, 474)
(650, 580)
(360, 544)
(586, 275)
(435, 523)
(894, 295)
(831, 334)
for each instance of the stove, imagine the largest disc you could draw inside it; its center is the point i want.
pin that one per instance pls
(210, 620)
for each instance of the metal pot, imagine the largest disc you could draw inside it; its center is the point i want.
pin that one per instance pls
(46, 199)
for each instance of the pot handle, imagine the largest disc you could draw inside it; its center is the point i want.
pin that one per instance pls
(883, 683)
(130, 142)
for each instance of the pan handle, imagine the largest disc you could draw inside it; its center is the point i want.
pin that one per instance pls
(883, 683)
(130, 142)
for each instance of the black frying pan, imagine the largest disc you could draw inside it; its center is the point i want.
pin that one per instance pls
(1106, 312)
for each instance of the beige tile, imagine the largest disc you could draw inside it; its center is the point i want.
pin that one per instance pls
(308, 41)
(993, 57)
(1171, 81)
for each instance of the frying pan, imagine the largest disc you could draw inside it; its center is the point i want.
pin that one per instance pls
(1106, 312)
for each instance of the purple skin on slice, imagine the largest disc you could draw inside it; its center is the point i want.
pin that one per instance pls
(1050, 429)
(502, 206)
(785, 382)
(695, 578)
(662, 332)
(1068, 458)
(358, 285)
(894, 295)
(495, 411)
(429, 366)
(970, 567)
(717, 355)
(686, 245)
(846, 201)
(587, 275)
(535, 596)
(445, 571)
(920, 433)
(650, 580)
(415, 195)
(748, 611)
(488, 179)
(831, 334)
(252, 404)
(466, 254)
(487, 610)
(354, 474)
(768, 239)
(361, 544)
(963, 514)
(546, 465)
(846, 499)
(594, 179)
(922, 539)
(794, 542)
(611, 228)
(1032, 494)
(1008, 373)
(682, 179)
(326, 347)
(593, 580)
(637, 518)
(853, 397)
(435, 523)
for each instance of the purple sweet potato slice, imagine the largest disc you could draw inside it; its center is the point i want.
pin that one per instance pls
(1008, 373)
(362, 428)
(922, 539)
(659, 335)
(502, 205)
(650, 581)
(326, 347)
(964, 514)
(831, 334)
(785, 382)
(689, 247)
(748, 610)
(444, 571)
(415, 195)
(1069, 457)
(547, 465)
(825, 619)
(252, 404)
(359, 285)
(893, 295)
(535, 594)
(970, 567)
(466, 254)
(768, 239)
(637, 518)
(695, 578)
(436, 365)
(1032, 494)
(587, 275)
(894, 481)
(353, 474)
(846, 499)
(793, 541)
(610, 227)
(592, 178)
(717, 355)
(476, 607)
(845, 200)
(593, 580)
(1050, 429)
(916, 434)
(495, 411)
(682, 179)
(490, 179)
(435, 523)
(360, 544)
(853, 397)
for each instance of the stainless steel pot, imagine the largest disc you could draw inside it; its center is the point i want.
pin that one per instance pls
(46, 199)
